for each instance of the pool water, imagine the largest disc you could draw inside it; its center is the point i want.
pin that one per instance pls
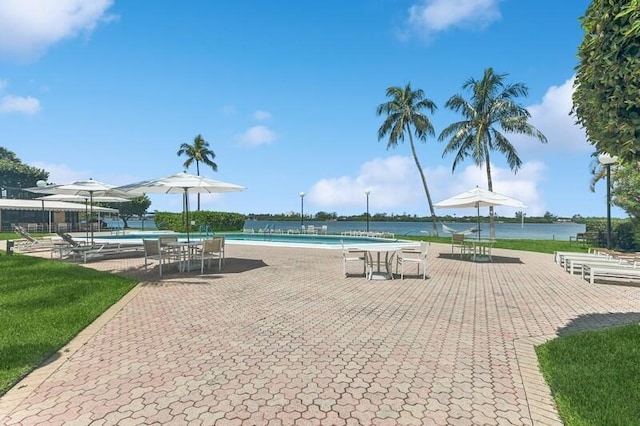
(325, 240)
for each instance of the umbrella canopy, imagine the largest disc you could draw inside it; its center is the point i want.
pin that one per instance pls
(478, 197)
(180, 183)
(88, 188)
(83, 198)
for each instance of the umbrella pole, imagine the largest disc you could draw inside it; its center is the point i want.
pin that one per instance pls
(186, 206)
(86, 218)
(91, 214)
(479, 231)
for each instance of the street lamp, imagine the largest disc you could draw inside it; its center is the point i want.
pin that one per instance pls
(367, 192)
(302, 209)
(607, 160)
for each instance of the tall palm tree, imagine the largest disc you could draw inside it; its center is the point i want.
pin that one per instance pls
(404, 116)
(490, 112)
(200, 153)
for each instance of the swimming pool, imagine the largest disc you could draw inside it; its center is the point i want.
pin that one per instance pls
(283, 240)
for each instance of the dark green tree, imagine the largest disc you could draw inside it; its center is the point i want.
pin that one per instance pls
(404, 116)
(138, 206)
(198, 152)
(14, 175)
(607, 87)
(489, 113)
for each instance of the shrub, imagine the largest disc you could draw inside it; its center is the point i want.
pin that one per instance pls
(217, 221)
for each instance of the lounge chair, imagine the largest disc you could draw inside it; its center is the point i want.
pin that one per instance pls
(28, 242)
(610, 271)
(408, 256)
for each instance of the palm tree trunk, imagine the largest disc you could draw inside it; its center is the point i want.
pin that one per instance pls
(424, 184)
(492, 223)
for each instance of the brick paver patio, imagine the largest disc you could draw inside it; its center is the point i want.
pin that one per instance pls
(279, 337)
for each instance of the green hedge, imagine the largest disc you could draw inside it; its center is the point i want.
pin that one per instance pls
(624, 233)
(216, 221)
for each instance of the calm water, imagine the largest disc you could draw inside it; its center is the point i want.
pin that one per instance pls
(530, 231)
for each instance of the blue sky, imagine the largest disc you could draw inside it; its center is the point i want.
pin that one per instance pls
(286, 95)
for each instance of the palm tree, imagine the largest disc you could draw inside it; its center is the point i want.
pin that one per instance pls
(200, 153)
(489, 113)
(404, 117)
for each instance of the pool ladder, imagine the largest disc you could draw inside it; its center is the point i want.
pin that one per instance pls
(205, 230)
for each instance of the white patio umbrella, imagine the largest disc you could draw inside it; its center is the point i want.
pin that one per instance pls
(478, 197)
(180, 183)
(88, 188)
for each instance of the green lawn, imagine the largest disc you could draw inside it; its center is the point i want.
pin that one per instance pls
(43, 305)
(595, 376)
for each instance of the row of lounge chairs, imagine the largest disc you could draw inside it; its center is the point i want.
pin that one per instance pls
(372, 234)
(600, 263)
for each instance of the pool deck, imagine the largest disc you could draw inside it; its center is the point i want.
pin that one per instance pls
(280, 337)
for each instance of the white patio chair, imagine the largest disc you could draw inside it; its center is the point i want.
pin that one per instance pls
(409, 257)
(211, 249)
(353, 256)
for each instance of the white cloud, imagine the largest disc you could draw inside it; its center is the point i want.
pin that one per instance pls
(262, 115)
(431, 16)
(3, 84)
(61, 173)
(19, 104)
(393, 181)
(523, 186)
(257, 135)
(396, 188)
(552, 117)
(29, 27)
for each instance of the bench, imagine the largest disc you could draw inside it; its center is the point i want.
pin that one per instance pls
(585, 238)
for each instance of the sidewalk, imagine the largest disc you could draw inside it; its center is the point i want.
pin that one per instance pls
(279, 337)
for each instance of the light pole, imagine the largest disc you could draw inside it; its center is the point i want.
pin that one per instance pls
(607, 160)
(367, 192)
(301, 209)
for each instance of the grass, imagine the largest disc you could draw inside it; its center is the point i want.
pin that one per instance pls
(594, 376)
(43, 305)
(540, 246)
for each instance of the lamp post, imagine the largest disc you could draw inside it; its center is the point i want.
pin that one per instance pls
(301, 209)
(367, 192)
(607, 160)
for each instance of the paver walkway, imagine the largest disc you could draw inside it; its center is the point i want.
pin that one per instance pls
(279, 337)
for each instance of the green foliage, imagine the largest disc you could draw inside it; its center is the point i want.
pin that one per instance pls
(14, 175)
(403, 116)
(43, 304)
(217, 221)
(593, 375)
(607, 85)
(624, 233)
(136, 207)
(200, 153)
(625, 191)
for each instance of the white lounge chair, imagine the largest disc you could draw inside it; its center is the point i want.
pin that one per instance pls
(610, 271)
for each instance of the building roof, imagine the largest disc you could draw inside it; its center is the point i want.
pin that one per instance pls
(18, 204)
